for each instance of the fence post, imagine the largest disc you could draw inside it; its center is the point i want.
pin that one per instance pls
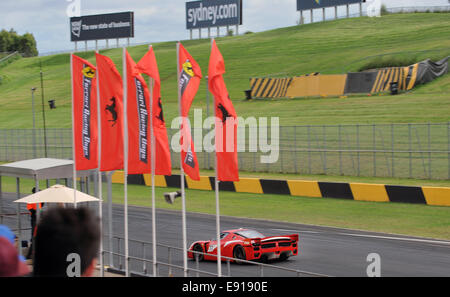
(118, 252)
(429, 150)
(309, 148)
(279, 148)
(144, 267)
(254, 162)
(410, 150)
(340, 148)
(374, 143)
(421, 153)
(197, 265)
(6, 145)
(357, 149)
(325, 149)
(295, 149)
(170, 261)
(448, 147)
(14, 149)
(393, 149)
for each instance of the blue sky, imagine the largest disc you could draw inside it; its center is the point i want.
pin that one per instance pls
(155, 20)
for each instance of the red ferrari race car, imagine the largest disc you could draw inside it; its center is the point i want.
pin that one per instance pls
(246, 244)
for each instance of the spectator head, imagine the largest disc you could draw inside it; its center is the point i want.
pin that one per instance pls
(63, 232)
(10, 264)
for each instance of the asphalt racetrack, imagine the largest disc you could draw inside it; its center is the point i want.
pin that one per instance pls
(323, 250)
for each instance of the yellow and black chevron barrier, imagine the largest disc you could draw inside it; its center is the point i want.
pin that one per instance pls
(404, 76)
(438, 196)
(316, 84)
(269, 87)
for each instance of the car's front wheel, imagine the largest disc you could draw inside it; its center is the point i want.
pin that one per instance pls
(199, 255)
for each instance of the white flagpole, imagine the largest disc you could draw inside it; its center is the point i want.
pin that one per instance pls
(153, 168)
(73, 137)
(125, 158)
(183, 195)
(219, 249)
(100, 190)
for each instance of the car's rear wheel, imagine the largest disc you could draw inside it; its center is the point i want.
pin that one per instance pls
(198, 248)
(239, 254)
(264, 259)
(284, 256)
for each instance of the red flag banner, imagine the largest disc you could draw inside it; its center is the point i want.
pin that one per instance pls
(138, 111)
(111, 111)
(84, 104)
(188, 83)
(163, 163)
(226, 119)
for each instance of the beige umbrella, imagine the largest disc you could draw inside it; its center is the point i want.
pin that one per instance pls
(57, 194)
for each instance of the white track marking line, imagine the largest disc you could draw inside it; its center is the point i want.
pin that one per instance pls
(446, 243)
(398, 238)
(296, 231)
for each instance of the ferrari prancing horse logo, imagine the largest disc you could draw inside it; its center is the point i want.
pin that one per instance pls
(113, 110)
(187, 67)
(88, 72)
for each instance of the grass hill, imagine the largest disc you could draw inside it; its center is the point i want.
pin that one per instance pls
(328, 47)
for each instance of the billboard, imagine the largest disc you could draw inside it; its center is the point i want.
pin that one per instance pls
(213, 13)
(312, 4)
(103, 26)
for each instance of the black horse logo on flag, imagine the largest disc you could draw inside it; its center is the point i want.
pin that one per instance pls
(160, 116)
(225, 113)
(113, 111)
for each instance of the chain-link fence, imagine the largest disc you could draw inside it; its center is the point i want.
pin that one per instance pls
(383, 150)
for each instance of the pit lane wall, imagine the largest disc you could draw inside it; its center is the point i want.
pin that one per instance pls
(438, 196)
(367, 82)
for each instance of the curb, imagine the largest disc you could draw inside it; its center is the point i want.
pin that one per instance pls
(436, 196)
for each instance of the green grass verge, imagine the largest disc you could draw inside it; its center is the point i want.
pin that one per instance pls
(395, 218)
(328, 47)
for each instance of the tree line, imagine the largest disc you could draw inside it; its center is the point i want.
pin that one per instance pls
(25, 44)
